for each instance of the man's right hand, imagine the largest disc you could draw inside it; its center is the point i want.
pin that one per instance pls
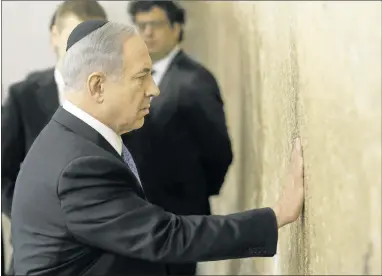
(289, 206)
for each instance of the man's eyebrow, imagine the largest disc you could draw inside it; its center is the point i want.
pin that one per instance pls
(144, 70)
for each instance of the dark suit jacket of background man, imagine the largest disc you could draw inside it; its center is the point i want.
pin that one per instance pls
(28, 107)
(183, 151)
(94, 220)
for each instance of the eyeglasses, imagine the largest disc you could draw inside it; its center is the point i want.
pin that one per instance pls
(155, 24)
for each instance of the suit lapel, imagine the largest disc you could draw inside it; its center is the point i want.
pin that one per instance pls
(169, 72)
(166, 86)
(165, 81)
(81, 128)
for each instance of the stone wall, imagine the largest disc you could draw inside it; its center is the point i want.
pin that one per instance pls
(300, 68)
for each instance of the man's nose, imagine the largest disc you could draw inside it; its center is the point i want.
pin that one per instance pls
(147, 31)
(153, 90)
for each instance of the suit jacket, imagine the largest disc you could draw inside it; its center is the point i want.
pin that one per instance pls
(183, 150)
(94, 219)
(28, 108)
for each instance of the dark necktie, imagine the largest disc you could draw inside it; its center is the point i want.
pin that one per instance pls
(128, 159)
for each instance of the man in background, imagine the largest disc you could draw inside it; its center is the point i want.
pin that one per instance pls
(33, 76)
(32, 102)
(183, 151)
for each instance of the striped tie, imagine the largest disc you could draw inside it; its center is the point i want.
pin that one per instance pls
(128, 159)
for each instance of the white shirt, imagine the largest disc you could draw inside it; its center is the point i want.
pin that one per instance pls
(113, 138)
(60, 86)
(160, 67)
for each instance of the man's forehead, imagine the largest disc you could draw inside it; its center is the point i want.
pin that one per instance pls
(136, 66)
(137, 55)
(154, 12)
(139, 64)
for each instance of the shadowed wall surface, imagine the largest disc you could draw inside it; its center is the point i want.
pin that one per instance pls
(300, 68)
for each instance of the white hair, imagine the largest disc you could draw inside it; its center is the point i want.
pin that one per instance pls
(99, 51)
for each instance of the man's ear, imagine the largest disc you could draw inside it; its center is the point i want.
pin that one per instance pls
(54, 36)
(95, 85)
(177, 29)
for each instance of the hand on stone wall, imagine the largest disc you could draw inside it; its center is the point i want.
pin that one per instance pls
(290, 204)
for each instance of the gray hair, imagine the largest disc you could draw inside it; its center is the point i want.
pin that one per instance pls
(99, 51)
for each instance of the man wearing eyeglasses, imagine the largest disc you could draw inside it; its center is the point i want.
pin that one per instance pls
(183, 151)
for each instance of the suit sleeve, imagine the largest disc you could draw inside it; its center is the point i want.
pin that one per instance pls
(102, 211)
(12, 147)
(202, 107)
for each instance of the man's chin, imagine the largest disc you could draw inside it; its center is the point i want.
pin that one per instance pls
(139, 123)
(129, 128)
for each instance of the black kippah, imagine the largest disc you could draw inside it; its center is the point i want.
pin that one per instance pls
(82, 30)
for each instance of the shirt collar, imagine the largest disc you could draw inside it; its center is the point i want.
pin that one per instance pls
(162, 65)
(113, 138)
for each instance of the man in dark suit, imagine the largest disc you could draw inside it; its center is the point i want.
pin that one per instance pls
(94, 218)
(183, 151)
(31, 103)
